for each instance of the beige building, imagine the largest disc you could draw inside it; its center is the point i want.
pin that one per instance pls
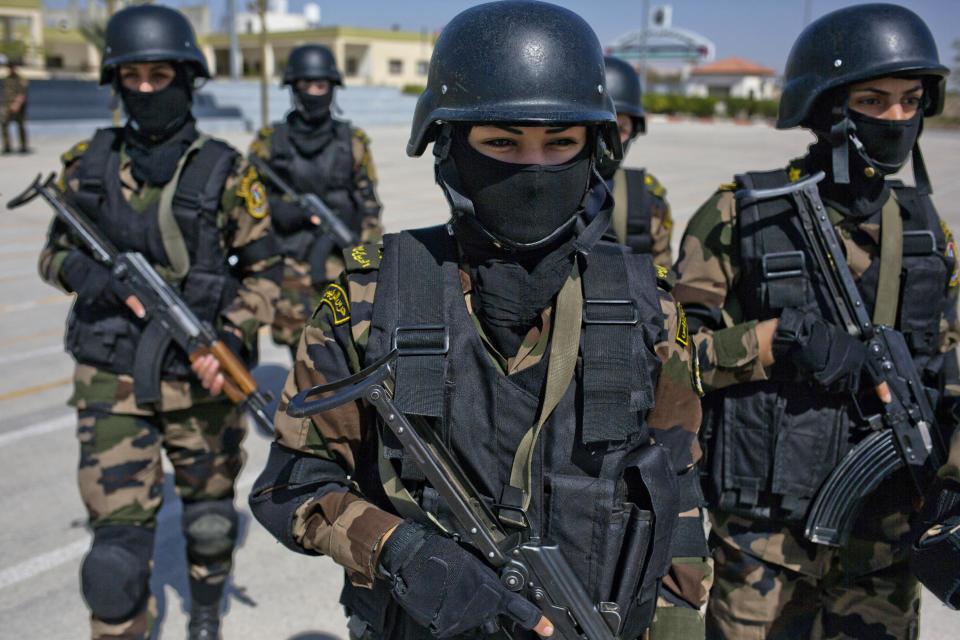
(365, 56)
(21, 31)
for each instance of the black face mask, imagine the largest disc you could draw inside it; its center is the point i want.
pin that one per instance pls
(313, 108)
(886, 143)
(154, 163)
(159, 114)
(522, 203)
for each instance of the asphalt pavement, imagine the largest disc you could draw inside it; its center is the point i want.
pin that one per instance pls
(274, 593)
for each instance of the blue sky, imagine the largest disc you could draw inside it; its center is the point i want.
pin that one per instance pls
(761, 30)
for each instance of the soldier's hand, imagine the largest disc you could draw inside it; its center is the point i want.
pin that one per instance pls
(133, 302)
(315, 221)
(207, 369)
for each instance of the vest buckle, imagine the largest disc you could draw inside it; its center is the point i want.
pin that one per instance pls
(421, 340)
(610, 311)
(782, 264)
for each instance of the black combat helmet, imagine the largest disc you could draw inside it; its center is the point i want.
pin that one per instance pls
(311, 62)
(514, 61)
(855, 44)
(150, 33)
(623, 85)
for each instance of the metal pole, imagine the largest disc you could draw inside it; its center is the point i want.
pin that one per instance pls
(234, 39)
(111, 9)
(264, 72)
(642, 71)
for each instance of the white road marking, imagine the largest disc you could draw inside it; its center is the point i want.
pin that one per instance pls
(47, 426)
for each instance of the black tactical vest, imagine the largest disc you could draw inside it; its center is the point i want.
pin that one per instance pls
(108, 339)
(630, 223)
(770, 445)
(599, 488)
(328, 174)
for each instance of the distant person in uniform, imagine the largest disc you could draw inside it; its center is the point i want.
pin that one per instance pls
(641, 215)
(314, 152)
(198, 213)
(14, 108)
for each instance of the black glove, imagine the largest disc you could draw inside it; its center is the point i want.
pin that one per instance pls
(286, 217)
(444, 588)
(93, 282)
(825, 352)
(935, 556)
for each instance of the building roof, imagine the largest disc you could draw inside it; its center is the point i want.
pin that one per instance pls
(732, 67)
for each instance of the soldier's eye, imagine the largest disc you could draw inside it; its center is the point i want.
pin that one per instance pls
(500, 143)
(563, 142)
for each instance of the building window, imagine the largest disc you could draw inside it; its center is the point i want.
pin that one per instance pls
(423, 67)
(352, 66)
(396, 67)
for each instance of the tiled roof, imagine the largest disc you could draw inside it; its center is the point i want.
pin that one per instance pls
(732, 67)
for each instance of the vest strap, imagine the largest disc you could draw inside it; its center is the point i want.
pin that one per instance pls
(891, 263)
(170, 233)
(618, 220)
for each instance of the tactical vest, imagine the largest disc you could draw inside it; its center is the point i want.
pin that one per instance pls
(328, 174)
(107, 338)
(770, 445)
(631, 220)
(599, 488)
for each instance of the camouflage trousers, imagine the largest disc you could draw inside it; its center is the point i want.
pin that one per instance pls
(121, 478)
(299, 296)
(756, 599)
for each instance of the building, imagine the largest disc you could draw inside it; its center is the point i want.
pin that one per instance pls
(278, 18)
(21, 31)
(732, 78)
(366, 56)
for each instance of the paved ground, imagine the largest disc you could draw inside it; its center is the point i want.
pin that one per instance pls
(275, 593)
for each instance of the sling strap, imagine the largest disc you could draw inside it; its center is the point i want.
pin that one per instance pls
(170, 232)
(891, 263)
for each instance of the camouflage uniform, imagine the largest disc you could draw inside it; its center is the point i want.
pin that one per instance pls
(120, 474)
(14, 87)
(770, 581)
(341, 523)
(300, 291)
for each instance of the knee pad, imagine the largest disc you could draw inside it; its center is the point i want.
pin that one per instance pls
(210, 528)
(115, 574)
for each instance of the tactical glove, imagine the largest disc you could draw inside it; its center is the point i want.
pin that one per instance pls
(287, 217)
(93, 282)
(444, 588)
(825, 352)
(935, 556)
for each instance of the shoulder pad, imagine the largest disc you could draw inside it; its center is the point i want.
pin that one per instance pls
(360, 135)
(363, 257)
(75, 152)
(654, 185)
(666, 278)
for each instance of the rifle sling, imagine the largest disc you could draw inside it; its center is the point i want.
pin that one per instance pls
(170, 233)
(891, 263)
(621, 212)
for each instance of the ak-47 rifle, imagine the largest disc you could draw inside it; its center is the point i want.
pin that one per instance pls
(310, 204)
(169, 319)
(905, 433)
(530, 567)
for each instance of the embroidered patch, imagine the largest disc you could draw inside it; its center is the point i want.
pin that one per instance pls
(359, 255)
(951, 253)
(662, 272)
(683, 334)
(253, 194)
(794, 174)
(336, 298)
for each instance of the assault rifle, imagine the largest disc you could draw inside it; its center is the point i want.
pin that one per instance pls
(169, 319)
(531, 567)
(904, 434)
(311, 204)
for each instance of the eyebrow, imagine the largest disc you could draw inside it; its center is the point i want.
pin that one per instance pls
(886, 93)
(512, 130)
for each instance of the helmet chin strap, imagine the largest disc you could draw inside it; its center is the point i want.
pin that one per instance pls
(839, 141)
(445, 173)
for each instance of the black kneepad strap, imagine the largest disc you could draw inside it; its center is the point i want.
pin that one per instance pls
(115, 574)
(210, 528)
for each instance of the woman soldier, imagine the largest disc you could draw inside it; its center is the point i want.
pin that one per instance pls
(193, 208)
(505, 318)
(862, 79)
(315, 153)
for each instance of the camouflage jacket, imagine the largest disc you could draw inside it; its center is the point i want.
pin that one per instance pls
(340, 523)
(661, 222)
(364, 190)
(707, 271)
(12, 88)
(244, 215)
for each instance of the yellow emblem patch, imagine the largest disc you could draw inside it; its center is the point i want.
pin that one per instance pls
(253, 193)
(794, 174)
(359, 255)
(662, 271)
(336, 298)
(683, 333)
(951, 253)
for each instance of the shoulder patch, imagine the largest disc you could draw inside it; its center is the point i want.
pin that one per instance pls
(361, 135)
(336, 298)
(951, 252)
(363, 257)
(75, 152)
(793, 174)
(727, 186)
(253, 193)
(666, 278)
(655, 186)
